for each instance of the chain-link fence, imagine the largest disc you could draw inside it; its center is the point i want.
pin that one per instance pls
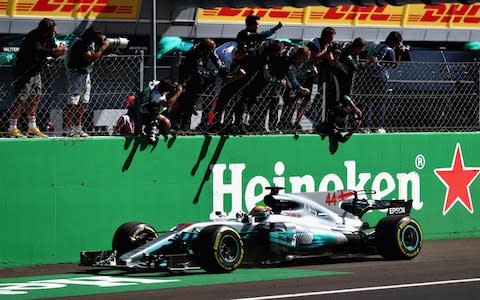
(113, 79)
(416, 97)
(420, 97)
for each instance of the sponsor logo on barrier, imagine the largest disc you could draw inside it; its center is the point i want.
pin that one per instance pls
(3, 7)
(407, 185)
(443, 15)
(84, 8)
(282, 13)
(457, 179)
(347, 12)
(456, 13)
(278, 12)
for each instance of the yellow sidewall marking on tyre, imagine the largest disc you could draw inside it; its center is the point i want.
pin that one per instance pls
(142, 228)
(218, 238)
(401, 226)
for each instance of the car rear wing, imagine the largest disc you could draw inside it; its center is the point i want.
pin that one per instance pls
(359, 207)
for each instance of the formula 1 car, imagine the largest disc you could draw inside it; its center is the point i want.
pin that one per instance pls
(289, 226)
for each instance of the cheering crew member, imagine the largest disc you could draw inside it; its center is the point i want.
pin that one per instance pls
(250, 38)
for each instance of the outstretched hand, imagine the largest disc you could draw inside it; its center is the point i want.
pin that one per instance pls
(278, 26)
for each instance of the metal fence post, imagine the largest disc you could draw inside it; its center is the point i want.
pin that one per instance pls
(154, 39)
(142, 69)
(139, 95)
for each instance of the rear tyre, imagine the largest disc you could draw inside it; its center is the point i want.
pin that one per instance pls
(220, 249)
(132, 235)
(398, 237)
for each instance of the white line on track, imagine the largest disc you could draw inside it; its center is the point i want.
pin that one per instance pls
(364, 289)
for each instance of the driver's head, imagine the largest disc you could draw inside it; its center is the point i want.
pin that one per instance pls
(260, 212)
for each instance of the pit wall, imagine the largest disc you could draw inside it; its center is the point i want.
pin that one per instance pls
(61, 196)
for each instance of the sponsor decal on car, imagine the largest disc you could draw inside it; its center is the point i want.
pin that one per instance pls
(397, 210)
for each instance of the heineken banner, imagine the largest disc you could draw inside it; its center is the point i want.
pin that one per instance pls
(61, 196)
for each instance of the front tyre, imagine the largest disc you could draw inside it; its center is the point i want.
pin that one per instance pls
(220, 249)
(398, 237)
(132, 235)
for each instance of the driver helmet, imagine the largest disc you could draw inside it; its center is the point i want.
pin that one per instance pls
(260, 212)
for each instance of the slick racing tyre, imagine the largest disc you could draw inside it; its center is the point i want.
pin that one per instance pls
(219, 248)
(132, 235)
(398, 237)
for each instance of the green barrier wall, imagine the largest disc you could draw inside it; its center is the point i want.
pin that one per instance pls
(60, 196)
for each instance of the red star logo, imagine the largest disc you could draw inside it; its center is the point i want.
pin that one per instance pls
(457, 179)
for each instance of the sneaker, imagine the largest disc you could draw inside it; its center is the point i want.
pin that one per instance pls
(77, 132)
(381, 130)
(365, 130)
(72, 132)
(35, 132)
(16, 133)
(81, 133)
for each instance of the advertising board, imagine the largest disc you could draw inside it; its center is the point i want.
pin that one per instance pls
(414, 15)
(61, 196)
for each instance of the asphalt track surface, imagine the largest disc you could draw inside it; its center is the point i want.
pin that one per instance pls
(447, 269)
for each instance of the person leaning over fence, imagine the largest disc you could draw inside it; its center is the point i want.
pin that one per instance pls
(250, 37)
(349, 63)
(126, 123)
(383, 56)
(159, 97)
(84, 51)
(256, 97)
(233, 82)
(324, 55)
(300, 72)
(37, 46)
(198, 70)
(334, 126)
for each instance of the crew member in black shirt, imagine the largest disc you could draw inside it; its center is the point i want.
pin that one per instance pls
(250, 38)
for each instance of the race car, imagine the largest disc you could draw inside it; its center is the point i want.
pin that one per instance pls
(288, 226)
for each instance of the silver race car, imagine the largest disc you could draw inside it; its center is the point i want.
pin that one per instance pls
(287, 227)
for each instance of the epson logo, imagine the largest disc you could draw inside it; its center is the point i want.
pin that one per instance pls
(397, 211)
